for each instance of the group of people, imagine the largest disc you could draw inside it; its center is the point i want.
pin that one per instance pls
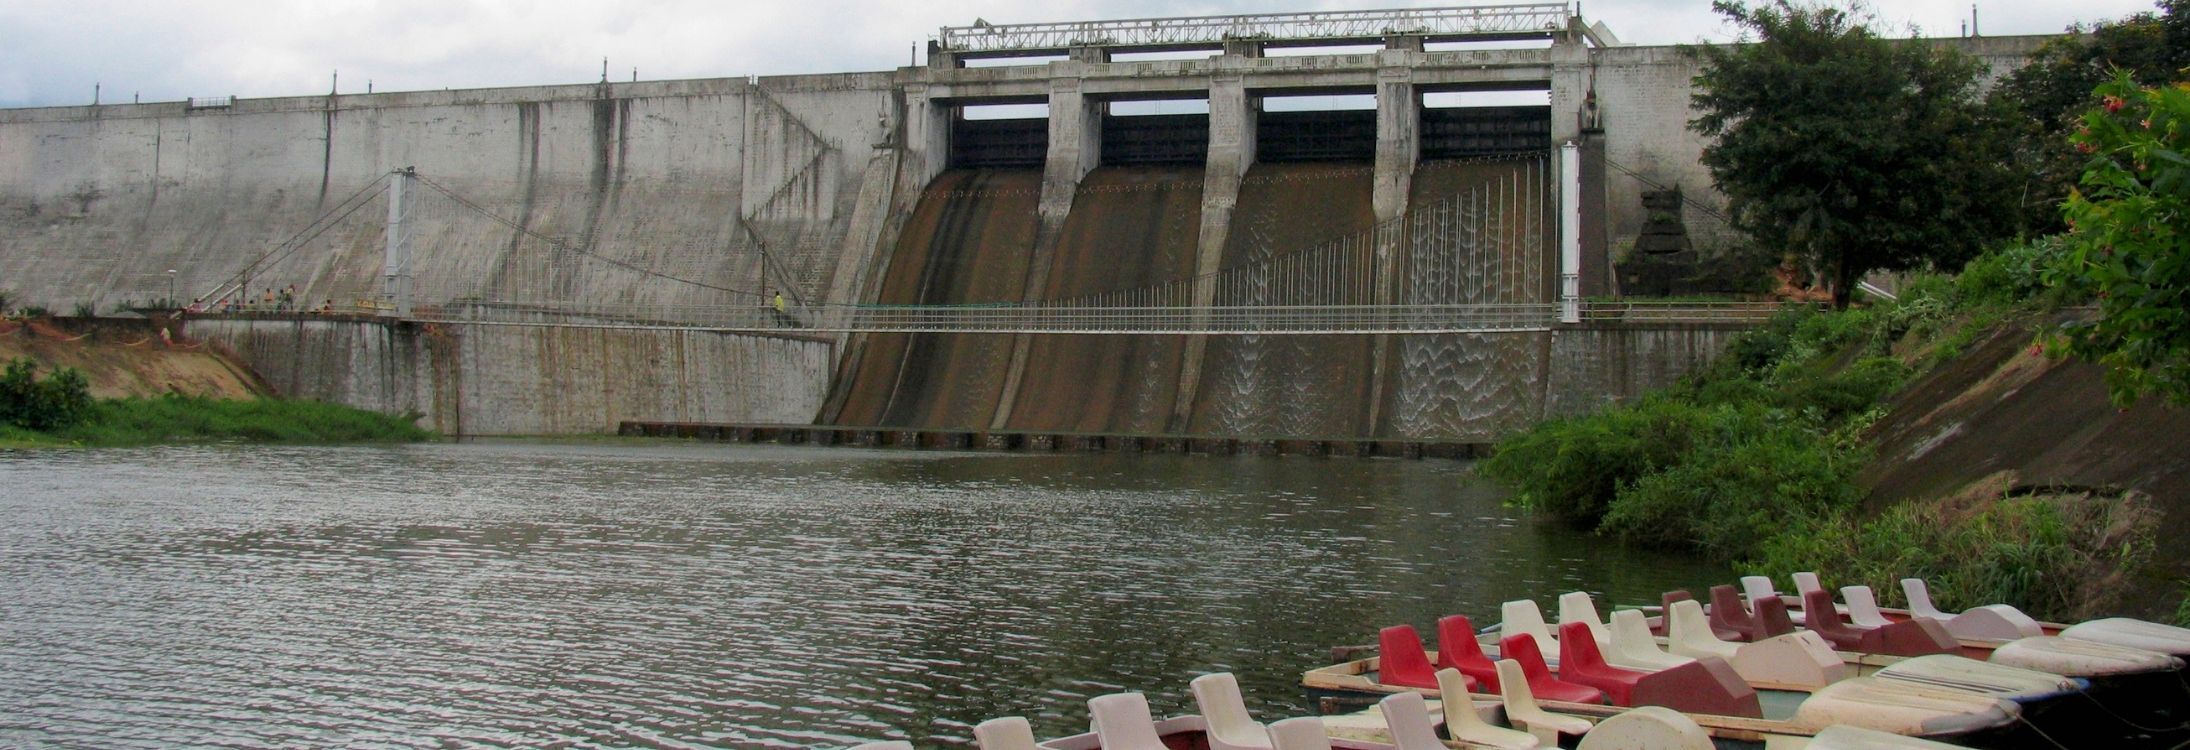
(272, 300)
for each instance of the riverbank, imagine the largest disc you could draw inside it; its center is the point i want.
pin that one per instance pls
(1930, 436)
(132, 382)
(196, 419)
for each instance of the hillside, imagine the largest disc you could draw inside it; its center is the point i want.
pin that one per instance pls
(2002, 411)
(128, 357)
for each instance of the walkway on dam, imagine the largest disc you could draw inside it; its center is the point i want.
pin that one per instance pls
(1017, 319)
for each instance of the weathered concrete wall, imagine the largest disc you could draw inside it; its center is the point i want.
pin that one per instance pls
(1596, 365)
(507, 380)
(682, 178)
(1642, 95)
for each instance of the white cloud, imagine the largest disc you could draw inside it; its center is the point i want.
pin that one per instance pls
(53, 51)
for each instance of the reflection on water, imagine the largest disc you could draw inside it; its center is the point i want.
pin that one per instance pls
(529, 595)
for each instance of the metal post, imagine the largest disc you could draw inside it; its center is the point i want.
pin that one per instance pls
(396, 268)
(1570, 233)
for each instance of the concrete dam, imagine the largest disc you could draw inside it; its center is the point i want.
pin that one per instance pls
(562, 259)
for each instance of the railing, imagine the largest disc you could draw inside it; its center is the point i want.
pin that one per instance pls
(1479, 21)
(1012, 318)
(1678, 311)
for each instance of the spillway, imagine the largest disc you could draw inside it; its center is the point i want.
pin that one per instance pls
(973, 234)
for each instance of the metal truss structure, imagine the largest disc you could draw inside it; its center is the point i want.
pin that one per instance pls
(1483, 21)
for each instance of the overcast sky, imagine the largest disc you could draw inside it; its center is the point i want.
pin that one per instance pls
(52, 52)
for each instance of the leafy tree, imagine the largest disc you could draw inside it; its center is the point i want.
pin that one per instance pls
(1852, 150)
(2043, 101)
(2129, 243)
(58, 401)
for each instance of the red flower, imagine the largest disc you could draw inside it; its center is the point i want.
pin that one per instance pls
(2113, 103)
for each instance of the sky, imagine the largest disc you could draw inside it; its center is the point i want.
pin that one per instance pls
(54, 52)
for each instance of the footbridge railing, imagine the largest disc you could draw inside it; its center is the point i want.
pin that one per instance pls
(1017, 319)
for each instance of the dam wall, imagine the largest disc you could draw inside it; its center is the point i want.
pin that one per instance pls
(604, 192)
(480, 380)
(854, 189)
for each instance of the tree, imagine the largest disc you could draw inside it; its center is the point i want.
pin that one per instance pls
(2129, 240)
(1854, 151)
(2045, 99)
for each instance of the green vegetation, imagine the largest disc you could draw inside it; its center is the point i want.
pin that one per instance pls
(1751, 461)
(55, 403)
(58, 411)
(2047, 98)
(2040, 553)
(1719, 463)
(2129, 246)
(1851, 150)
(1857, 153)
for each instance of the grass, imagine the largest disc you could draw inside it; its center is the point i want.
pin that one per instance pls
(190, 419)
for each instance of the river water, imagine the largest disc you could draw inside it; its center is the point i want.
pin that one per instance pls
(681, 595)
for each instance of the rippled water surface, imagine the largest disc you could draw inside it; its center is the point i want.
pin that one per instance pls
(609, 594)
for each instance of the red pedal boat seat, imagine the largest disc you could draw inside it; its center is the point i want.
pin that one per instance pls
(1771, 619)
(1458, 649)
(1402, 660)
(1728, 615)
(1522, 649)
(1707, 685)
(1907, 638)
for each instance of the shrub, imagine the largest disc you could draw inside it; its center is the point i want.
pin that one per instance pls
(1751, 472)
(60, 400)
(2008, 275)
(1571, 468)
(1834, 397)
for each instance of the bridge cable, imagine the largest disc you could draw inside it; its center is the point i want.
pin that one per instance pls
(320, 224)
(561, 244)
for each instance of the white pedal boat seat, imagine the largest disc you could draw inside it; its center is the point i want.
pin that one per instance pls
(1122, 722)
(1230, 726)
(1863, 609)
(1407, 716)
(1995, 622)
(1801, 659)
(2081, 658)
(1004, 733)
(1632, 644)
(1523, 712)
(1632, 652)
(1299, 733)
(1973, 676)
(2123, 631)
(1576, 606)
(1464, 724)
(1522, 616)
(1902, 708)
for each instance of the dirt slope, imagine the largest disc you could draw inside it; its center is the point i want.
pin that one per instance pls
(128, 358)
